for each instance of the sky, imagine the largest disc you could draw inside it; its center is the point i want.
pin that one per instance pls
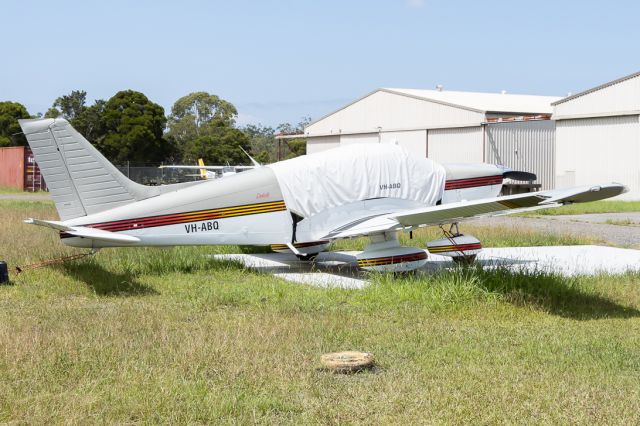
(279, 61)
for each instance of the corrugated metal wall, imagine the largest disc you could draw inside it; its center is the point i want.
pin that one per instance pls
(455, 145)
(526, 146)
(12, 167)
(599, 150)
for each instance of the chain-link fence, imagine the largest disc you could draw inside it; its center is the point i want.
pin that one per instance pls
(152, 174)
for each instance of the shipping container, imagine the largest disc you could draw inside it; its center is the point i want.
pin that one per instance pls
(19, 170)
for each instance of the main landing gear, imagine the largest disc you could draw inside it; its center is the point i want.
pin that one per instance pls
(305, 251)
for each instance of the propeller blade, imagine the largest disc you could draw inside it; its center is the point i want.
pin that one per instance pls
(516, 175)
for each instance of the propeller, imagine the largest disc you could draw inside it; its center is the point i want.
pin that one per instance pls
(516, 175)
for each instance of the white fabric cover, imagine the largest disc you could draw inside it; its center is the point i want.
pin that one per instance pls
(316, 182)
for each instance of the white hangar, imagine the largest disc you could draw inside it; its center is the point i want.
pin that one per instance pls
(448, 126)
(598, 136)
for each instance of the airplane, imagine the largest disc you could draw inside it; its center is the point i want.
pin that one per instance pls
(299, 205)
(210, 172)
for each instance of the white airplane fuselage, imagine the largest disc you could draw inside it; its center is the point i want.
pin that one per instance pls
(248, 209)
(243, 209)
(298, 205)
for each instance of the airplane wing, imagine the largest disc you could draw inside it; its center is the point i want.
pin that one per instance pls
(83, 231)
(467, 210)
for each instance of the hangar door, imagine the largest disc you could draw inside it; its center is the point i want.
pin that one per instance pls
(599, 149)
(322, 143)
(525, 145)
(456, 145)
(414, 141)
(359, 138)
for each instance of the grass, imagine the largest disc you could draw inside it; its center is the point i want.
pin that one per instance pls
(9, 190)
(588, 208)
(169, 336)
(620, 222)
(6, 190)
(490, 236)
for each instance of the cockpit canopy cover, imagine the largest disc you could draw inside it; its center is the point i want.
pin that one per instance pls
(313, 183)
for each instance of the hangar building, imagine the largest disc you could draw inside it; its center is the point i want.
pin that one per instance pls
(448, 126)
(598, 136)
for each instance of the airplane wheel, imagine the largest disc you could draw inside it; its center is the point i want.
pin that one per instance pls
(465, 260)
(307, 257)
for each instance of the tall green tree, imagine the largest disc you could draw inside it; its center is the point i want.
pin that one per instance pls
(70, 106)
(91, 122)
(10, 131)
(262, 142)
(202, 108)
(134, 129)
(202, 125)
(218, 146)
(87, 120)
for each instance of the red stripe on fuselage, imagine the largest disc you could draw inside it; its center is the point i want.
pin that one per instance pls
(473, 182)
(186, 217)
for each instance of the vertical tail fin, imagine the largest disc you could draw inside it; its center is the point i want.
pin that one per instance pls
(80, 179)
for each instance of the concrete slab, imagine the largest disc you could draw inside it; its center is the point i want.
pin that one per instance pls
(339, 269)
(321, 279)
(329, 270)
(620, 219)
(566, 260)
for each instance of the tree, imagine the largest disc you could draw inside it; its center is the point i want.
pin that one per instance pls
(262, 142)
(220, 148)
(298, 146)
(10, 131)
(86, 120)
(133, 127)
(52, 112)
(201, 108)
(264, 146)
(90, 122)
(202, 125)
(69, 106)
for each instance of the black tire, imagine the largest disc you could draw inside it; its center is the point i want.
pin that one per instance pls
(465, 260)
(307, 257)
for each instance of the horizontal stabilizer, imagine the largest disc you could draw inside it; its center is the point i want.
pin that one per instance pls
(98, 234)
(53, 224)
(84, 232)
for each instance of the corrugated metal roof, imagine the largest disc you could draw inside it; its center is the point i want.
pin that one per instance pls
(484, 102)
(595, 89)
